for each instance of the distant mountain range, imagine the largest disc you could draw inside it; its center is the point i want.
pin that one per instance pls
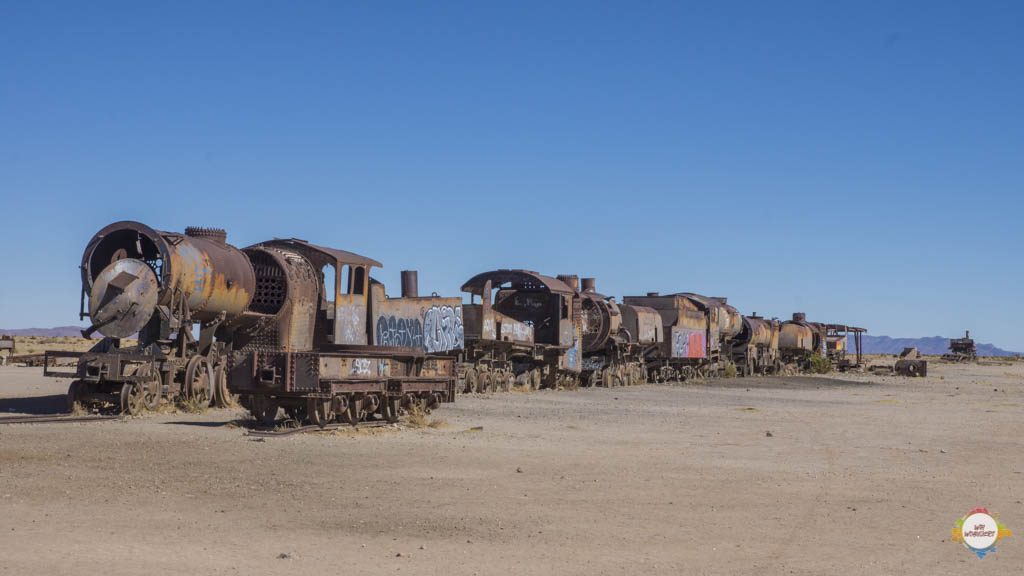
(58, 332)
(930, 345)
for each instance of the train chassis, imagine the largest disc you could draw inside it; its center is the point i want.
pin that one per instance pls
(345, 407)
(132, 382)
(501, 366)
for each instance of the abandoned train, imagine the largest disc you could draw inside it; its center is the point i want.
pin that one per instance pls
(289, 325)
(282, 324)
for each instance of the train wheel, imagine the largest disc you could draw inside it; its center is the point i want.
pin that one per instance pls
(607, 378)
(151, 389)
(75, 395)
(297, 413)
(151, 395)
(222, 397)
(356, 413)
(535, 379)
(132, 394)
(486, 382)
(319, 411)
(197, 381)
(390, 409)
(472, 381)
(264, 410)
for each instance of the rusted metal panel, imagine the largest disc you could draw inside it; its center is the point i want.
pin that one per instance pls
(342, 368)
(198, 274)
(524, 280)
(512, 330)
(430, 324)
(688, 343)
(794, 336)
(321, 255)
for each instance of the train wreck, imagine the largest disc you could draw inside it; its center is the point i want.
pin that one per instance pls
(287, 325)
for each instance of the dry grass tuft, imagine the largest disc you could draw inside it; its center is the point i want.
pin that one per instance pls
(417, 418)
(191, 406)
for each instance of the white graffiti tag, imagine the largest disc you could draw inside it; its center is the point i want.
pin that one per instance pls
(360, 367)
(442, 329)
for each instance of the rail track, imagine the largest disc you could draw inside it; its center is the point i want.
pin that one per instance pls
(54, 418)
(313, 428)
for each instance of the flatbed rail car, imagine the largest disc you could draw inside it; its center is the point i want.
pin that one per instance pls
(324, 342)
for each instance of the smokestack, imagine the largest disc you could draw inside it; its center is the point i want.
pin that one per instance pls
(572, 280)
(653, 294)
(589, 285)
(410, 284)
(799, 317)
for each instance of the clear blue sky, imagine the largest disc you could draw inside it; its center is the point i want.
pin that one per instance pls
(862, 162)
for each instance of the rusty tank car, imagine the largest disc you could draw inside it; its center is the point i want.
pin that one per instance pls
(755, 350)
(160, 287)
(324, 342)
(616, 337)
(800, 339)
(697, 334)
(525, 330)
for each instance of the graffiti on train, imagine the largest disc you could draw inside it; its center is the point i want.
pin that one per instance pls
(401, 332)
(442, 329)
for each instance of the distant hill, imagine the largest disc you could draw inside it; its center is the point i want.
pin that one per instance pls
(930, 345)
(58, 332)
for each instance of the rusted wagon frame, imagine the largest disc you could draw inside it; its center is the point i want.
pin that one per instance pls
(48, 365)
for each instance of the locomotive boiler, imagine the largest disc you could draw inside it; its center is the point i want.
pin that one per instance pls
(755, 350)
(616, 337)
(173, 292)
(800, 339)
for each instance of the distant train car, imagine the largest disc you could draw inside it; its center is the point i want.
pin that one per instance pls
(697, 331)
(755, 350)
(616, 337)
(324, 342)
(525, 329)
(800, 339)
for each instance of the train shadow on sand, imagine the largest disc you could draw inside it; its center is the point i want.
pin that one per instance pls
(50, 404)
(784, 382)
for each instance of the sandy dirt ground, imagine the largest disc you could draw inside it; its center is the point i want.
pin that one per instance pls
(864, 475)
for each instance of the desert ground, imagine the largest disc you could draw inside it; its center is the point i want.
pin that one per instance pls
(846, 474)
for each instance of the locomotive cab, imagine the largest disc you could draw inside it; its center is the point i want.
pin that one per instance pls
(526, 330)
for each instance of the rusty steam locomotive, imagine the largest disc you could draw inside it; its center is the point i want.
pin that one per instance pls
(282, 324)
(289, 325)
